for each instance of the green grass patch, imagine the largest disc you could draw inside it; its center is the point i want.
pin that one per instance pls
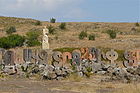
(65, 49)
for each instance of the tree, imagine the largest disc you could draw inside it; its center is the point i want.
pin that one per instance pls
(52, 20)
(51, 29)
(10, 30)
(62, 26)
(32, 38)
(82, 35)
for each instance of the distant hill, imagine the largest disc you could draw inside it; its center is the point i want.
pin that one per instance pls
(128, 34)
(15, 21)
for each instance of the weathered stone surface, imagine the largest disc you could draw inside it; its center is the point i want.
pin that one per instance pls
(57, 56)
(76, 57)
(43, 55)
(10, 70)
(112, 56)
(66, 56)
(58, 71)
(45, 42)
(80, 74)
(57, 64)
(27, 55)
(131, 70)
(101, 72)
(96, 67)
(98, 55)
(9, 58)
(2, 51)
(128, 63)
(85, 52)
(138, 71)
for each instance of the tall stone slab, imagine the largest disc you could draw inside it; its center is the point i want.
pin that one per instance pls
(27, 55)
(9, 58)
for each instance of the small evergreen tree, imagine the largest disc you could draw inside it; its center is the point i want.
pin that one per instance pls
(52, 20)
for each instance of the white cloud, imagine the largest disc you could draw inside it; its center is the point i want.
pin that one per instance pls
(44, 8)
(47, 4)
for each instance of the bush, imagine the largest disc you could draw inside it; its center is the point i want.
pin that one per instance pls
(32, 38)
(52, 20)
(82, 35)
(31, 43)
(112, 34)
(91, 37)
(137, 24)
(62, 26)
(12, 41)
(10, 30)
(51, 29)
(37, 23)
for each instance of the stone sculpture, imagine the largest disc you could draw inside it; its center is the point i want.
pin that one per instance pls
(27, 55)
(45, 42)
(9, 58)
(112, 56)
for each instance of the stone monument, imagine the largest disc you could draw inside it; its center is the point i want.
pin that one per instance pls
(45, 42)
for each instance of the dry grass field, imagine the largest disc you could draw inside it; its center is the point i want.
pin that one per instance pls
(128, 35)
(71, 84)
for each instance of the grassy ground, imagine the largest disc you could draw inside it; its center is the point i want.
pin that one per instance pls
(70, 85)
(128, 34)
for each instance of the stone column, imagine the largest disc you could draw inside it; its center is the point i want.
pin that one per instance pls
(45, 42)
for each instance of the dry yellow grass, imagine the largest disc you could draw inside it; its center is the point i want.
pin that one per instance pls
(69, 37)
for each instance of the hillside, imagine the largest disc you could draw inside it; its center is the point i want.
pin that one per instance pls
(128, 34)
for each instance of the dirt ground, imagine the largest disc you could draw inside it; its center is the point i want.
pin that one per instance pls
(70, 85)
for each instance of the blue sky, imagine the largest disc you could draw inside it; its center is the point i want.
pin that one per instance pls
(73, 10)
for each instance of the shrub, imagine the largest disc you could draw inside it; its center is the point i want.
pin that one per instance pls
(12, 41)
(91, 37)
(32, 38)
(52, 20)
(31, 43)
(51, 29)
(62, 26)
(112, 34)
(82, 35)
(37, 23)
(66, 49)
(137, 24)
(10, 30)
